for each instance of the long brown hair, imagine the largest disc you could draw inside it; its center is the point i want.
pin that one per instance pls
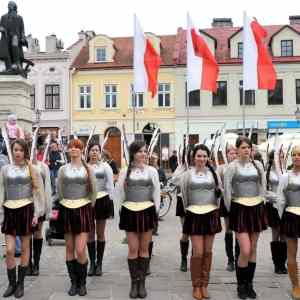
(76, 143)
(24, 145)
(134, 148)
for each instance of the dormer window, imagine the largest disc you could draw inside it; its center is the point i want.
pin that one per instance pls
(240, 49)
(287, 48)
(101, 54)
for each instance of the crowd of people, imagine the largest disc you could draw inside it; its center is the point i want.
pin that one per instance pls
(247, 195)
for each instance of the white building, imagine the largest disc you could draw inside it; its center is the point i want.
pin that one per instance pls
(264, 111)
(50, 82)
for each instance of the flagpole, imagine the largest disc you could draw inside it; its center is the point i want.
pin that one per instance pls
(187, 115)
(244, 113)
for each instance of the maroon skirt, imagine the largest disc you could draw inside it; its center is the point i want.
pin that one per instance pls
(290, 225)
(77, 220)
(272, 215)
(179, 207)
(248, 219)
(104, 208)
(138, 221)
(223, 210)
(202, 224)
(18, 222)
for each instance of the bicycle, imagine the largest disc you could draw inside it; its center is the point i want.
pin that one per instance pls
(166, 198)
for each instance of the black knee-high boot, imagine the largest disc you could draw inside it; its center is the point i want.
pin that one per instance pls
(37, 250)
(92, 256)
(133, 265)
(12, 279)
(81, 278)
(19, 292)
(100, 253)
(250, 276)
(143, 265)
(283, 257)
(229, 251)
(275, 252)
(184, 249)
(242, 287)
(72, 270)
(150, 248)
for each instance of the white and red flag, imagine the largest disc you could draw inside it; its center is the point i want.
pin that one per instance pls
(146, 62)
(258, 69)
(202, 67)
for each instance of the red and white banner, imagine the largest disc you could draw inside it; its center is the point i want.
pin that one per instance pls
(202, 67)
(146, 62)
(258, 69)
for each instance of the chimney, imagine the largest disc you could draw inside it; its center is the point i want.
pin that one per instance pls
(294, 20)
(51, 43)
(222, 22)
(90, 34)
(33, 44)
(82, 35)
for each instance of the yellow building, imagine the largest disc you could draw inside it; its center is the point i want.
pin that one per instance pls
(101, 93)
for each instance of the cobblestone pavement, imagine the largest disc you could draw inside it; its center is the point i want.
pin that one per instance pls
(165, 282)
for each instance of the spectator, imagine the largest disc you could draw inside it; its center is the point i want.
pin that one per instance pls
(173, 161)
(55, 162)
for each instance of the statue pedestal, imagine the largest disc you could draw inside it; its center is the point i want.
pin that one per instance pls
(15, 98)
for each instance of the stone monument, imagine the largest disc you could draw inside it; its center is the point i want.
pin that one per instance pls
(14, 87)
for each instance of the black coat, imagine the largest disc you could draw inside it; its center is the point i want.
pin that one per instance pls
(14, 26)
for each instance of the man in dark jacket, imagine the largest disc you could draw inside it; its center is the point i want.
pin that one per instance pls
(173, 161)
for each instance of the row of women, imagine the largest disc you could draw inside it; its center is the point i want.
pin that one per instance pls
(85, 193)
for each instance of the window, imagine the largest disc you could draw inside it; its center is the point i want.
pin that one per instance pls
(250, 95)
(194, 97)
(164, 95)
(32, 97)
(287, 48)
(276, 97)
(85, 97)
(100, 54)
(110, 95)
(139, 99)
(297, 91)
(52, 100)
(220, 98)
(240, 50)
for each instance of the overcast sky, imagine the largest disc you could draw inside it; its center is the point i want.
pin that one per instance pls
(66, 18)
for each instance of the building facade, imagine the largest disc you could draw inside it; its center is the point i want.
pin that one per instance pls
(264, 111)
(50, 80)
(101, 94)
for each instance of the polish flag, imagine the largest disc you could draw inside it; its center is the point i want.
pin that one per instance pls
(258, 69)
(202, 67)
(146, 62)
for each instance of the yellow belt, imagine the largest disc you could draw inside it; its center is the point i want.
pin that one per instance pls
(75, 203)
(101, 194)
(294, 210)
(248, 201)
(14, 204)
(202, 209)
(137, 206)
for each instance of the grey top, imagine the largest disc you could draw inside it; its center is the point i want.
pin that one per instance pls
(142, 185)
(199, 188)
(271, 194)
(241, 179)
(73, 183)
(16, 184)
(104, 177)
(288, 191)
